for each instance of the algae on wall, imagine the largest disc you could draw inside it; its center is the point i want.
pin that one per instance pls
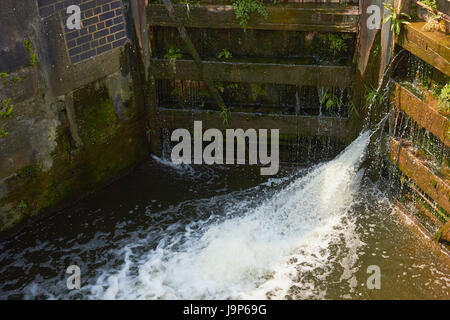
(108, 117)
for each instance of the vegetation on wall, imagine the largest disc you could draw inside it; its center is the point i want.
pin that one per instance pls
(33, 57)
(330, 100)
(337, 42)
(397, 19)
(444, 98)
(434, 23)
(6, 108)
(6, 105)
(338, 100)
(374, 98)
(224, 54)
(189, 4)
(173, 54)
(376, 50)
(243, 9)
(431, 3)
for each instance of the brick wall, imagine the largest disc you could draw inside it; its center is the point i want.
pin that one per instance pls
(102, 26)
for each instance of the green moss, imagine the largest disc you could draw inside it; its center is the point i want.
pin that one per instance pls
(28, 172)
(96, 116)
(110, 146)
(33, 57)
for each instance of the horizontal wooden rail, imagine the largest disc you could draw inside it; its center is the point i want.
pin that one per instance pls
(423, 111)
(314, 75)
(281, 17)
(416, 169)
(337, 128)
(431, 47)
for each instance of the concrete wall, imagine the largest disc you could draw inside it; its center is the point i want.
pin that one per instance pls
(79, 115)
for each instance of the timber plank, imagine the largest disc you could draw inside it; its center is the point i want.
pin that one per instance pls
(338, 128)
(431, 47)
(313, 75)
(282, 17)
(416, 169)
(423, 112)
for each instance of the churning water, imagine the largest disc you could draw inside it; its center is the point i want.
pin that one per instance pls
(182, 232)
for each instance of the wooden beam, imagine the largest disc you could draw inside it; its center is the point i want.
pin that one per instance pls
(431, 47)
(423, 111)
(337, 128)
(291, 17)
(416, 169)
(314, 75)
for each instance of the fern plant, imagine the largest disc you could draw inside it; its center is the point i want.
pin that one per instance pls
(243, 9)
(397, 19)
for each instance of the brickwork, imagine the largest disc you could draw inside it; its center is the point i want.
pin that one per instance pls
(102, 26)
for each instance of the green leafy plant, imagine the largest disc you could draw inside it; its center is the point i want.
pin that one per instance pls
(232, 86)
(434, 23)
(176, 92)
(397, 19)
(374, 98)
(173, 54)
(29, 46)
(3, 75)
(436, 89)
(330, 101)
(243, 9)
(444, 98)
(226, 115)
(6, 108)
(431, 3)
(337, 42)
(204, 96)
(22, 205)
(224, 54)
(189, 4)
(376, 50)
(220, 87)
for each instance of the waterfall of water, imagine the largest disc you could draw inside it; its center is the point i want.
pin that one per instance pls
(166, 148)
(231, 258)
(321, 91)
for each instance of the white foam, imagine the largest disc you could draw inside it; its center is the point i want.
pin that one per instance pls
(248, 254)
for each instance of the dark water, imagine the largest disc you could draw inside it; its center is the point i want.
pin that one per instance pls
(167, 232)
